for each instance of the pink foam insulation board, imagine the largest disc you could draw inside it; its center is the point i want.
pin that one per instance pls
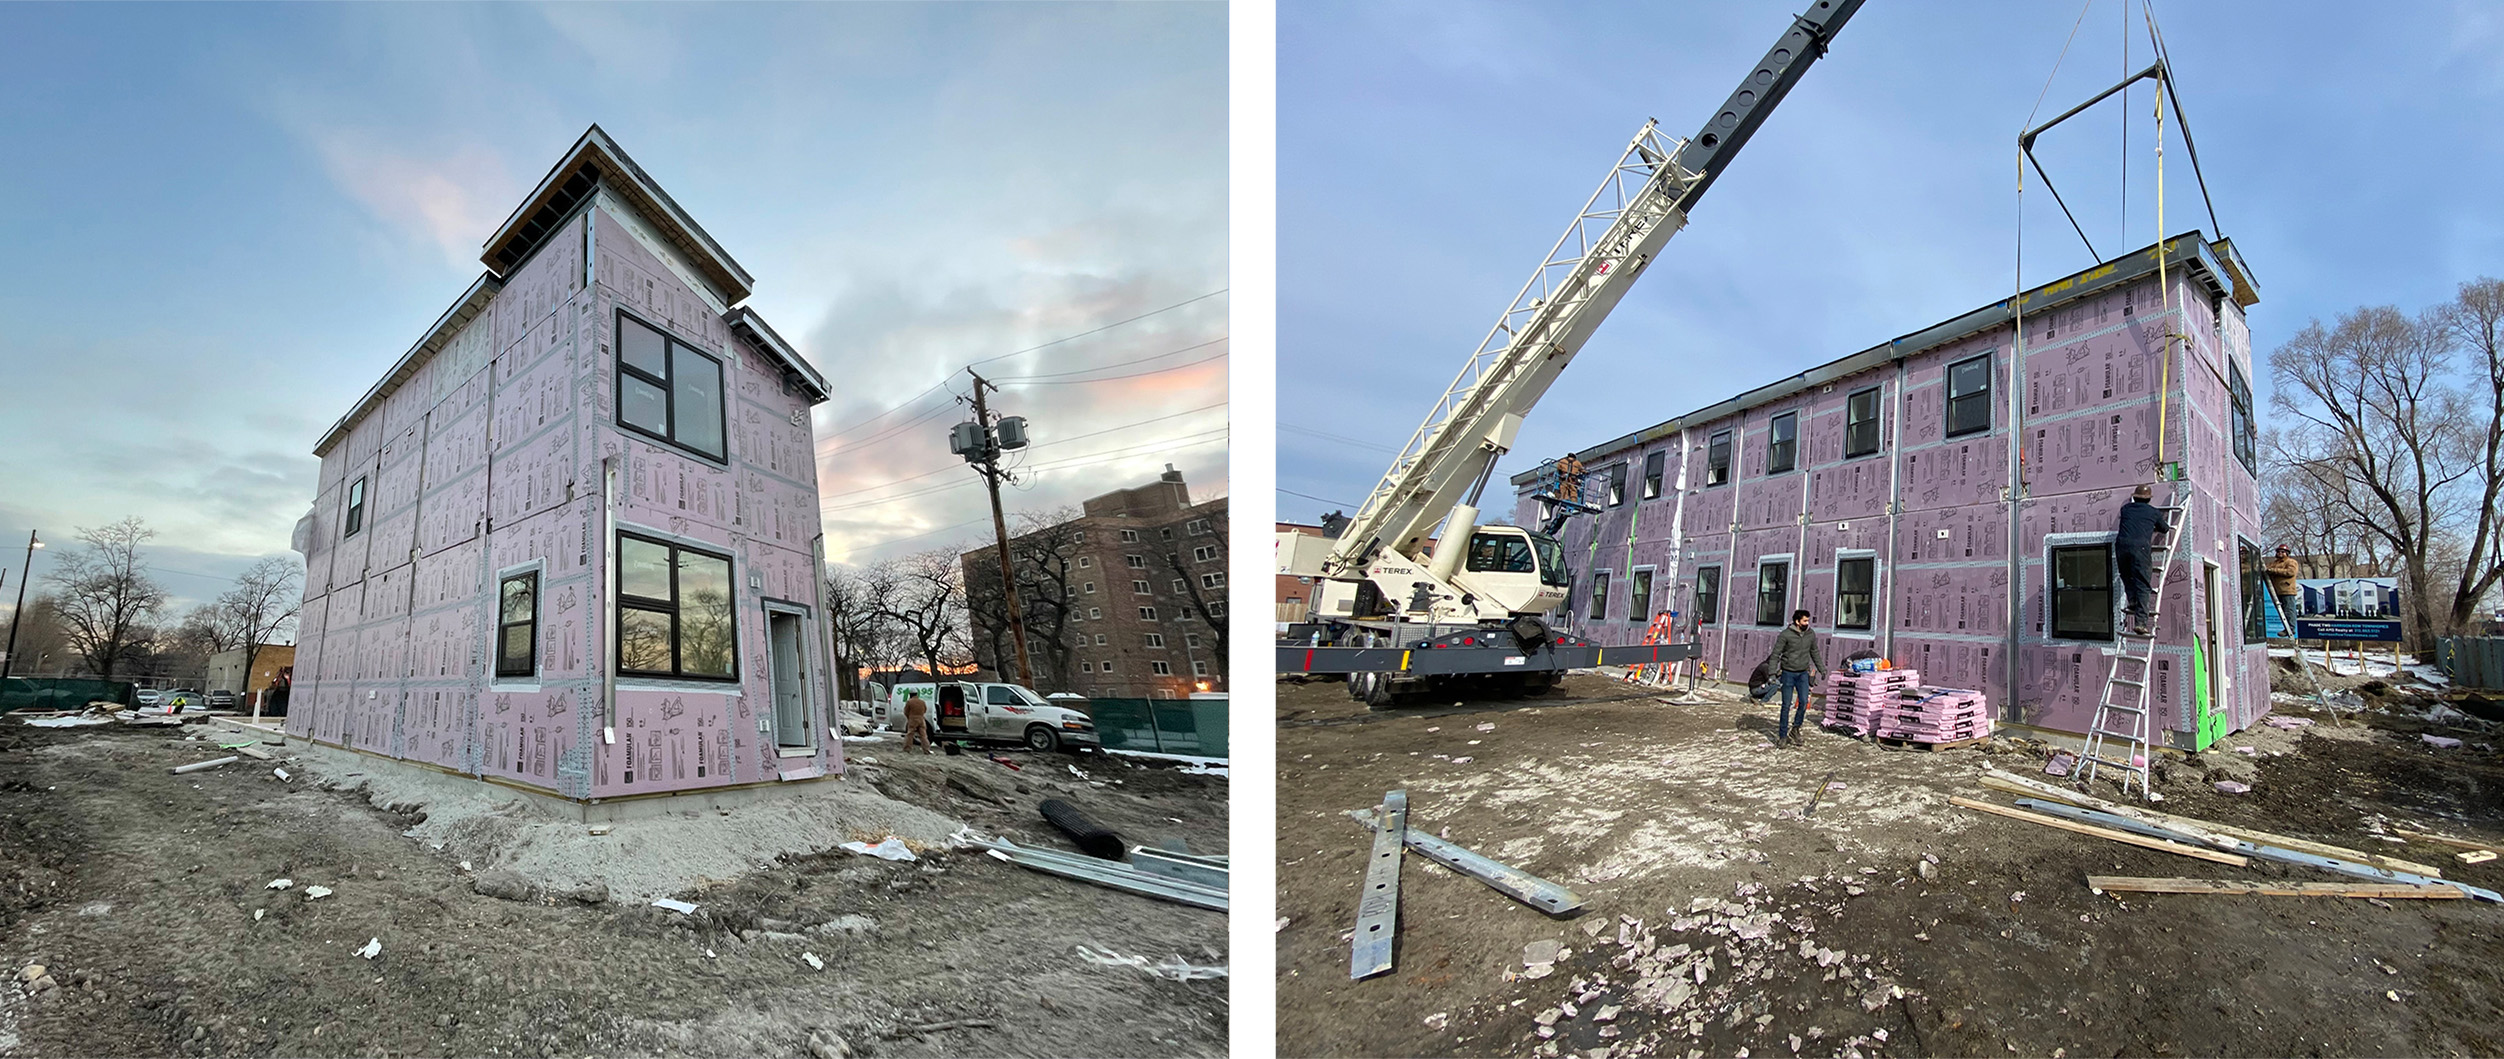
(1938, 513)
(490, 459)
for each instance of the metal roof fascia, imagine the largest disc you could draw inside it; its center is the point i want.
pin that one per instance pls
(753, 327)
(735, 279)
(473, 301)
(2187, 249)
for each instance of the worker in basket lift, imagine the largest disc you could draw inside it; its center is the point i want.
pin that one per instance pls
(2132, 544)
(1569, 474)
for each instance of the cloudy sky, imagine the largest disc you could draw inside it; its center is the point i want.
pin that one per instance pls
(224, 223)
(1429, 153)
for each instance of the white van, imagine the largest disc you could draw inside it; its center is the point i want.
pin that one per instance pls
(1004, 713)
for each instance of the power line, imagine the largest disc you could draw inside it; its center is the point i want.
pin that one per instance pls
(908, 403)
(1074, 461)
(1341, 438)
(1132, 375)
(1309, 496)
(1107, 327)
(1108, 367)
(1044, 445)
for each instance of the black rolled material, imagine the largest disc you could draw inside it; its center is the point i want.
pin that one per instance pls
(1093, 838)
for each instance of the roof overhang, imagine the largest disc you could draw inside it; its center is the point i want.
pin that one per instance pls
(752, 327)
(596, 162)
(464, 309)
(2214, 265)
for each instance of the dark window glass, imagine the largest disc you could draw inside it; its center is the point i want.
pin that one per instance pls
(1000, 696)
(1617, 485)
(517, 626)
(1708, 595)
(1773, 593)
(674, 611)
(2255, 625)
(1639, 597)
(1855, 584)
(642, 348)
(1782, 443)
(1717, 459)
(642, 405)
(1653, 465)
(1599, 595)
(1969, 395)
(1860, 423)
(668, 389)
(356, 508)
(1499, 552)
(2246, 442)
(2082, 592)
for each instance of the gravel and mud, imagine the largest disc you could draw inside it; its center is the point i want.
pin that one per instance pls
(146, 900)
(1720, 920)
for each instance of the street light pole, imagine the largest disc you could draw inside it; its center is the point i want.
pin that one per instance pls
(8, 660)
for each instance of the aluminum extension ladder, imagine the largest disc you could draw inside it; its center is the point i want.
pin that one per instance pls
(2126, 693)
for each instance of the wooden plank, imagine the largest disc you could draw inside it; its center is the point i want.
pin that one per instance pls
(2442, 839)
(1916, 744)
(2130, 884)
(2207, 831)
(2182, 849)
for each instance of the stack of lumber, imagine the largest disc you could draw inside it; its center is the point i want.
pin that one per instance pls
(2372, 875)
(1853, 699)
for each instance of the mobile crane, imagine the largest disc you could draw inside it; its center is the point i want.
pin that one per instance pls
(1400, 607)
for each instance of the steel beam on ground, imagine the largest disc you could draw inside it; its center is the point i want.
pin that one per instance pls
(1378, 908)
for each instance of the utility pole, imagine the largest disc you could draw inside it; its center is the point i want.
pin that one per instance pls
(8, 658)
(984, 453)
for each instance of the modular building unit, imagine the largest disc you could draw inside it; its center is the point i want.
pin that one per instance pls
(1948, 499)
(571, 542)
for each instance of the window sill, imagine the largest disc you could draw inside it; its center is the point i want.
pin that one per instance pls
(1853, 634)
(717, 687)
(795, 751)
(513, 685)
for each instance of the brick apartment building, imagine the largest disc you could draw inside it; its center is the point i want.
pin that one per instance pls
(569, 541)
(1126, 601)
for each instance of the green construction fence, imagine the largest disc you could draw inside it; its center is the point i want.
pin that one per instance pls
(1190, 727)
(55, 693)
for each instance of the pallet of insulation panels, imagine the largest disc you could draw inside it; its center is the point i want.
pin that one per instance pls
(1933, 717)
(1853, 699)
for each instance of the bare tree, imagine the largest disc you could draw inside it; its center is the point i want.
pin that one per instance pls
(2473, 323)
(263, 602)
(105, 597)
(2372, 414)
(929, 609)
(859, 599)
(1208, 600)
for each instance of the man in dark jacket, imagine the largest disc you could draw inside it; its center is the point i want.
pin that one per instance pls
(2132, 541)
(1795, 654)
(1763, 683)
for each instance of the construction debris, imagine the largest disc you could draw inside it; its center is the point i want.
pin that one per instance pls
(1378, 905)
(2476, 856)
(889, 848)
(2177, 848)
(209, 764)
(1112, 874)
(373, 947)
(2126, 884)
(1172, 968)
(1503, 878)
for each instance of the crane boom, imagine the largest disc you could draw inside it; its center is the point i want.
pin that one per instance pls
(1643, 202)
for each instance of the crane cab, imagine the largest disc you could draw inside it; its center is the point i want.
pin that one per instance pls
(1513, 570)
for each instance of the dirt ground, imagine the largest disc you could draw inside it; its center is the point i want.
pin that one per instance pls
(145, 897)
(1720, 921)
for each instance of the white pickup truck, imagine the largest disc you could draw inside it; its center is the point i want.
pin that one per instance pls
(1003, 713)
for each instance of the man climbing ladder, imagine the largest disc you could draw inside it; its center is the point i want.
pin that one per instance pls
(2133, 545)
